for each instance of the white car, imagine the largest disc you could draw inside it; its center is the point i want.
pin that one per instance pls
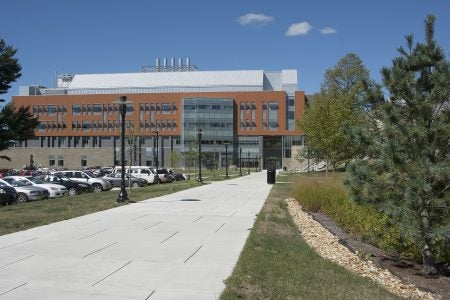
(55, 190)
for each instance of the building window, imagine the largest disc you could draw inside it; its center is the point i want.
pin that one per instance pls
(129, 108)
(51, 110)
(76, 110)
(51, 160)
(165, 108)
(97, 109)
(84, 141)
(86, 126)
(42, 126)
(83, 160)
(273, 116)
(60, 161)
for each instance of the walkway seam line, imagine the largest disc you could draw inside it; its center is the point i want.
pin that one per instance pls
(219, 227)
(169, 237)
(18, 243)
(5, 292)
(16, 261)
(99, 250)
(148, 297)
(85, 237)
(153, 225)
(193, 254)
(197, 219)
(140, 217)
(113, 272)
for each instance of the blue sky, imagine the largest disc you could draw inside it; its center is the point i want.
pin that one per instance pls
(112, 36)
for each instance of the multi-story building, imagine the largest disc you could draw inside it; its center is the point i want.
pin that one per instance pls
(251, 115)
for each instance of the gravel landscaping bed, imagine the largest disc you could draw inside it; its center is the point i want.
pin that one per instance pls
(331, 247)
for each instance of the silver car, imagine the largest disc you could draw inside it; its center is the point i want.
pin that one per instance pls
(27, 192)
(98, 184)
(55, 190)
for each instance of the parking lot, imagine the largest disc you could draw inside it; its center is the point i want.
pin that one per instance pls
(179, 246)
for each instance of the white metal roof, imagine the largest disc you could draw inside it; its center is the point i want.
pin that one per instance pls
(289, 77)
(252, 78)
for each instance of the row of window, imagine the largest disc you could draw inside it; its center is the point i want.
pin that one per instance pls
(98, 109)
(247, 106)
(99, 125)
(54, 161)
(163, 108)
(49, 110)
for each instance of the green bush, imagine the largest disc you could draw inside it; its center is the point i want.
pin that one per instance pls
(327, 194)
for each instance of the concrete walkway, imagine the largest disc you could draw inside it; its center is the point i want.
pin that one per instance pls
(179, 246)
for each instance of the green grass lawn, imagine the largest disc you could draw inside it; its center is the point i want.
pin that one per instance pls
(36, 213)
(276, 263)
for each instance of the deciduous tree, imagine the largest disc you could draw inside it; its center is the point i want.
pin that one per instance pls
(334, 109)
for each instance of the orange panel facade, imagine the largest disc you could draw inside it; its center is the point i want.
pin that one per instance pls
(98, 114)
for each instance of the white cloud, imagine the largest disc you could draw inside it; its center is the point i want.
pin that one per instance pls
(327, 30)
(254, 19)
(301, 28)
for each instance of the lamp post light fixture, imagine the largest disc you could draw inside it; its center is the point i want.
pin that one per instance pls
(240, 161)
(226, 143)
(248, 162)
(156, 158)
(200, 156)
(123, 195)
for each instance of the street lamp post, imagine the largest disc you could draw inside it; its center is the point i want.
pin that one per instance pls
(226, 143)
(156, 158)
(123, 196)
(240, 161)
(248, 162)
(200, 156)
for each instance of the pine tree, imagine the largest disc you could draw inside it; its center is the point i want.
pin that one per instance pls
(15, 125)
(9, 66)
(406, 172)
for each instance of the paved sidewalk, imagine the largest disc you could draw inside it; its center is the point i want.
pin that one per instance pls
(179, 246)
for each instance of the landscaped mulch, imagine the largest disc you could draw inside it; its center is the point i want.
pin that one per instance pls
(400, 277)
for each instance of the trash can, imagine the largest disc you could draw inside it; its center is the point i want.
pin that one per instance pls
(271, 176)
(284, 168)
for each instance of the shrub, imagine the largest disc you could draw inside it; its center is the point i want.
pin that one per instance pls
(327, 194)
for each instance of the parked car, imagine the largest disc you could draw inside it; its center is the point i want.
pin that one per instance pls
(164, 175)
(98, 184)
(55, 190)
(73, 187)
(116, 179)
(176, 176)
(27, 192)
(144, 172)
(8, 195)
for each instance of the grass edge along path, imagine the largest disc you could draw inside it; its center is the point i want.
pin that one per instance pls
(22, 216)
(276, 263)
